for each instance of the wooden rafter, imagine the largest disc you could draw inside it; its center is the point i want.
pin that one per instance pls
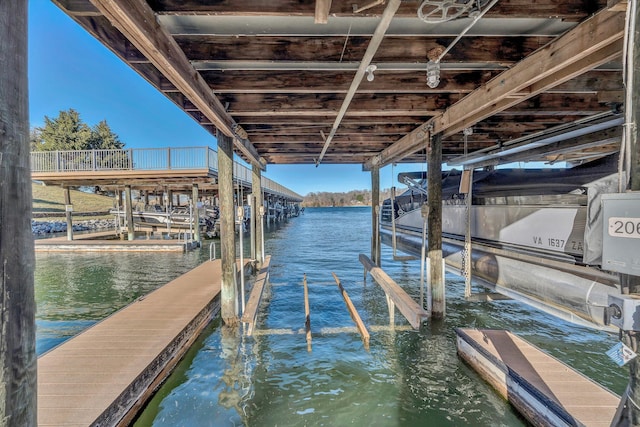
(588, 45)
(136, 20)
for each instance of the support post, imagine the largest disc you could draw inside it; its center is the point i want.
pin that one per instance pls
(229, 296)
(129, 213)
(196, 212)
(434, 229)
(633, 86)
(256, 221)
(68, 209)
(629, 412)
(375, 208)
(17, 303)
(631, 284)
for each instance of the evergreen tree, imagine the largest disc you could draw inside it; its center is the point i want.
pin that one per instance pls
(65, 132)
(103, 138)
(69, 132)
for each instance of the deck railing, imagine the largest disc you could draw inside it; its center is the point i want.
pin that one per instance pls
(142, 159)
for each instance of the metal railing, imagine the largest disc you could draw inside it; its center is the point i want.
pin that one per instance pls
(145, 159)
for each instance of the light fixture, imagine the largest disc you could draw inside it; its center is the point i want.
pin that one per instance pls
(370, 69)
(433, 74)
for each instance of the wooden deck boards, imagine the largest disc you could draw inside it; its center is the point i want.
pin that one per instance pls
(531, 379)
(88, 377)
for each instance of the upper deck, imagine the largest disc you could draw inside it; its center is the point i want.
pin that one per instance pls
(143, 168)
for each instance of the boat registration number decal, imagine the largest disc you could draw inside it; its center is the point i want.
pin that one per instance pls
(624, 227)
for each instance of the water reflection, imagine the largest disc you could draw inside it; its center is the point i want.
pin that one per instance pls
(75, 290)
(407, 378)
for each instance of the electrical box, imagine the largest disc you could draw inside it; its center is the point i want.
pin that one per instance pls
(624, 312)
(621, 233)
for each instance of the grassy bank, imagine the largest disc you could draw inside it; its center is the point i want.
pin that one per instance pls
(51, 199)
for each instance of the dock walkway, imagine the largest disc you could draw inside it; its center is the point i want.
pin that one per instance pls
(105, 241)
(104, 374)
(546, 391)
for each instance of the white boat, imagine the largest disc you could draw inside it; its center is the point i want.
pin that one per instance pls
(536, 234)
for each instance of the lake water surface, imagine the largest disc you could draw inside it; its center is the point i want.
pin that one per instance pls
(406, 378)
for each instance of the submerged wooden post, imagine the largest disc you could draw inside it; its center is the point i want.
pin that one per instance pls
(68, 208)
(129, 212)
(196, 212)
(354, 313)
(228, 294)
(307, 315)
(257, 219)
(17, 302)
(434, 229)
(375, 206)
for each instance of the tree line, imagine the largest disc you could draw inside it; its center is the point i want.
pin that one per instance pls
(69, 132)
(350, 198)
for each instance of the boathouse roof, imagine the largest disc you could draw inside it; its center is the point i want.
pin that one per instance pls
(346, 81)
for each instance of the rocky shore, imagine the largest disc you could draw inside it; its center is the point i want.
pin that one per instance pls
(45, 227)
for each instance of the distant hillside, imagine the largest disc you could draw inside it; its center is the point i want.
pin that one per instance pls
(51, 199)
(350, 198)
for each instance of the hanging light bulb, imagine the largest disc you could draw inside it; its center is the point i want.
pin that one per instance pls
(433, 74)
(370, 69)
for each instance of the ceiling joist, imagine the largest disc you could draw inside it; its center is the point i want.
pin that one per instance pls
(590, 44)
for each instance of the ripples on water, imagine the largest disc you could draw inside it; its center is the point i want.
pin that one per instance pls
(407, 378)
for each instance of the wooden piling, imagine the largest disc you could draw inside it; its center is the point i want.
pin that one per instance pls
(375, 206)
(228, 294)
(68, 212)
(17, 303)
(256, 220)
(196, 212)
(354, 313)
(307, 315)
(129, 212)
(434, 229)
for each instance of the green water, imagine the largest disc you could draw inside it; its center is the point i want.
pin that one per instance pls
(406, 378)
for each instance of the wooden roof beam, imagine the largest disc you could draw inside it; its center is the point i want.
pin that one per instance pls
(137, 21)
(590, 44)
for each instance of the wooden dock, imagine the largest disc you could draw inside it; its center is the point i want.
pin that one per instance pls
(105, 374)
(546, 391)
(106, 241)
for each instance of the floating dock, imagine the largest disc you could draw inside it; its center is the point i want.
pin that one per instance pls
(104, 375)
(107, 241)
(544, 390)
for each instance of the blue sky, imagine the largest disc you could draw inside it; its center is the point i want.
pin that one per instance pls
(68, 68)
